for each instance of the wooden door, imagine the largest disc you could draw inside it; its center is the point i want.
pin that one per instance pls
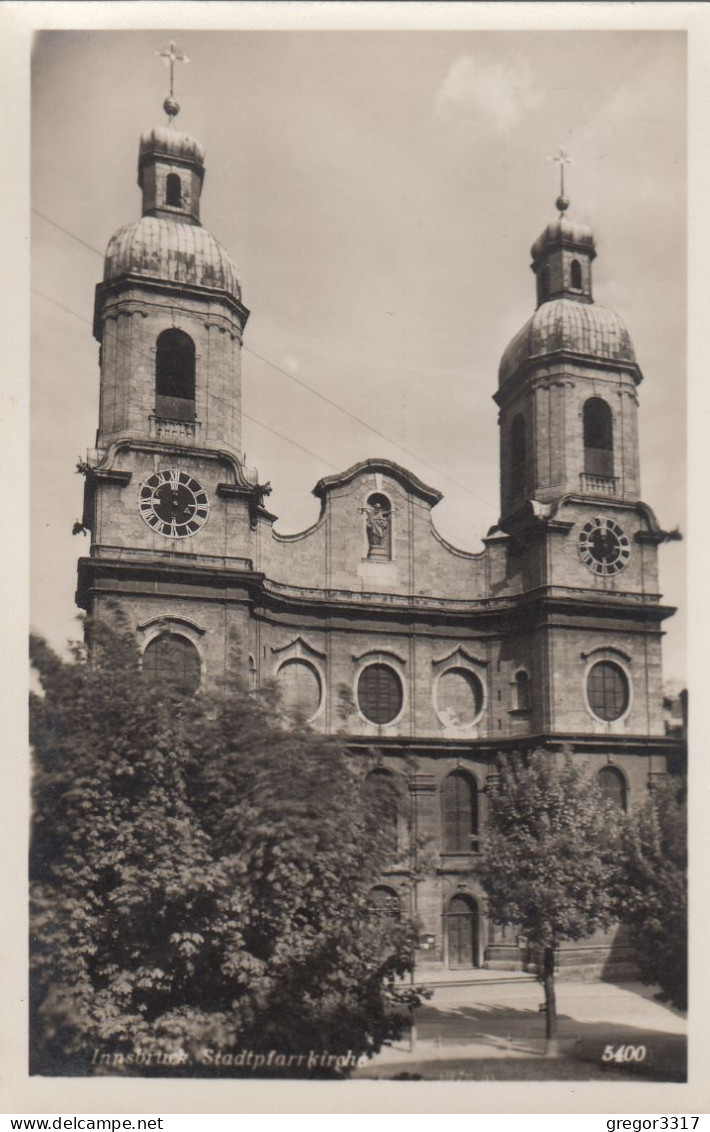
(462, 933)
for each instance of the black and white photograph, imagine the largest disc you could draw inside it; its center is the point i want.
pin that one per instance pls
(359, 688)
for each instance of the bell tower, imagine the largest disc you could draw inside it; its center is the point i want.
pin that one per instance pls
(582, 548)
(567, 385)
(168, 499)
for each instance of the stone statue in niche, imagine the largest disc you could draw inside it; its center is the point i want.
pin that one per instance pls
(378, 526)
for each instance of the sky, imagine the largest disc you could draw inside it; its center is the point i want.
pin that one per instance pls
(379, 191)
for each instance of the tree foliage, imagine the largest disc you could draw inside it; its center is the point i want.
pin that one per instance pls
(652, 895)
(550, 857)
(200, 876)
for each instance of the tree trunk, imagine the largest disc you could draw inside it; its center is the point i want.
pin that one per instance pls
(548, 969)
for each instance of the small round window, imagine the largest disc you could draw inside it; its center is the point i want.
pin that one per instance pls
(607, 690)
(379, 693)
(459, 697)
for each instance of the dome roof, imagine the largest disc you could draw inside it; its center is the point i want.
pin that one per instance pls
(564, 231)
(573, 327)
(171, 143)
(166, 250)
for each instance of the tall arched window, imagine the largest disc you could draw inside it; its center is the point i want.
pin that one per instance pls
(544, 283)
(379, 794)
(173, 191)
(598, 438)
(613, 786)
(172, 659)
(522, 691)
(576, 274)
(459, 814)
(175, 376)
(518, 455)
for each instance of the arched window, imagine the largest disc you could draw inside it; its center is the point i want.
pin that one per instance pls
(385, 905)
(378, 526)
(576, 274)
(459, 814)
(607, 690)
(173, 190)
(518, 455)
(598, 438)
(175, 376)
(613, 786)
(462, 932)
(379, 793)
(522, 691)
(544, 283)
(173, 660)
(379, 693)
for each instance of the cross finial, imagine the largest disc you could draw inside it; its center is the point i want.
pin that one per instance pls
(562, 158)
(172, 55)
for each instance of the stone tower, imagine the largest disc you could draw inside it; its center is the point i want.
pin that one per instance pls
(168, 500)
(582, 545)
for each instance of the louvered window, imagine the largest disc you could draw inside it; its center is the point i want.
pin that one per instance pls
(598, 438)
(175, 376)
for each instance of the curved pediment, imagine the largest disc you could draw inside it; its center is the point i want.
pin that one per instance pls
(405, 478)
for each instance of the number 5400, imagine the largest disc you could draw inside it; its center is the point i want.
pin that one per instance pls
(624, 1053)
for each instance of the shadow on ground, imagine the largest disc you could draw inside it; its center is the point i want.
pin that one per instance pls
(518, 1034)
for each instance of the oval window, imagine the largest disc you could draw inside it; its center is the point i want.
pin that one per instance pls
(300, 688)
(607, 690)
(459, 697)
(379, 693)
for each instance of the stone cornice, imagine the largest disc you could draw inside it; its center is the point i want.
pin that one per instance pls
(165, 287)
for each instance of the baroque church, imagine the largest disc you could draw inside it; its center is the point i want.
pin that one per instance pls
(432, 657)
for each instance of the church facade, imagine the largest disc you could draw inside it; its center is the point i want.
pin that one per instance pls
(431, 660)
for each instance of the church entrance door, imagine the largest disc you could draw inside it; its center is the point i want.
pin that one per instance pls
(462, 932)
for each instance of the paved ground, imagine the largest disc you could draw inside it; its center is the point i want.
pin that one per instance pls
(498, 1017)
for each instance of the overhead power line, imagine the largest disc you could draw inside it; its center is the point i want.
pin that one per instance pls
(298, 381)
(144, 353)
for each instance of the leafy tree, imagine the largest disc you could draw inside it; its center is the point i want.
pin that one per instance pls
(653, 899)
(550, 858)
(200, 878)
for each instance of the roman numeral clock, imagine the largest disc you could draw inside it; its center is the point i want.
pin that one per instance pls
(173, 503)
(603, 547)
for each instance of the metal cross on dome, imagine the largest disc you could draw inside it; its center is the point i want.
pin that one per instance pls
(562, 158)
(172, 55)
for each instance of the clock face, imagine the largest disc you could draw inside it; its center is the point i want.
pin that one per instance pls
(173, 503)
(603, 547)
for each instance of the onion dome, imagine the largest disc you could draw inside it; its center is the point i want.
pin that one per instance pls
(168, 251)
(170, 145)
(564, 232)
(567, 322)
(563, 326)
